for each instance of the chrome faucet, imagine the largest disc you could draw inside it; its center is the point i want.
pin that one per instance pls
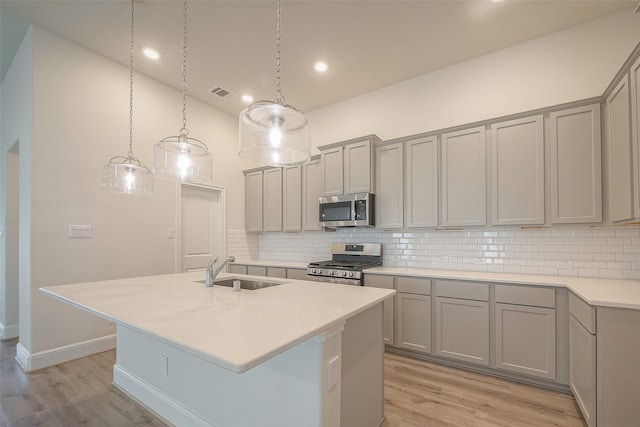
(211, 273)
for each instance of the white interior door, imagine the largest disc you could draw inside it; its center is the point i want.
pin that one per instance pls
(202, 226)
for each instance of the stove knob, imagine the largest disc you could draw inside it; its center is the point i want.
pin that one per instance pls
(330, 272)
(351, 274)
(344, 274)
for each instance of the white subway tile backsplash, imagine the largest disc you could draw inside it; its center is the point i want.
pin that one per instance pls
(607, 252)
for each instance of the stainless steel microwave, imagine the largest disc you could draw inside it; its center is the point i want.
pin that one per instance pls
(350, 210)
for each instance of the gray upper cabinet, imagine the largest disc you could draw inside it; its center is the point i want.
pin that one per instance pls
(311, 192)
(332, 171)
(348, 166)
(619, 152)
(272, 199)
(421, 182)
(464, 177)
(358, 168)
(635, 126)
(292, 199)
(389, 185)
(253, 201)
(575, 165)
(517, 172)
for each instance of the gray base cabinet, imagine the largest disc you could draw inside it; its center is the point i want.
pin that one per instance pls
(388, 306)
(526, 340)
(618, 367)
(525, 330)
(582, 372)
(414, 314)
(462, 321)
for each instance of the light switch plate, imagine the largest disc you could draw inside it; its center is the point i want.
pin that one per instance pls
(80, 231)
(171, 233)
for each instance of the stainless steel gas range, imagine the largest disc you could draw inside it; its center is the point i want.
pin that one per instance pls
(347, 262)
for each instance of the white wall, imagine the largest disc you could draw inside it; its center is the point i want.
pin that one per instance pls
(80, 120)
(567, 66)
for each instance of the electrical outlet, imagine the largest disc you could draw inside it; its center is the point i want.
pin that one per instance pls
(565, 264)
(79, 231)
(2, 233)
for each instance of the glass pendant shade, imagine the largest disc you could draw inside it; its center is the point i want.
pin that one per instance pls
(274, 134)
(181, 158)
(128, 178)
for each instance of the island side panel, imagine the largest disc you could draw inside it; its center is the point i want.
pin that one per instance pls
(292, 388)
(362, 401)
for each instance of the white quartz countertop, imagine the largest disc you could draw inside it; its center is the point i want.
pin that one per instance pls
(235, 330)
(598, 292)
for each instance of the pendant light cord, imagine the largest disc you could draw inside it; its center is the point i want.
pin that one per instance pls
(130, 154)
(279, 96)
(184, 132)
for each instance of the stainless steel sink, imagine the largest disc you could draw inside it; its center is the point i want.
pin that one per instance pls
(247, 284)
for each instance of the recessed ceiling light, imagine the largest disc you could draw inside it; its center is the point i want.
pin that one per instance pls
(247, 98)
(321, 67)
(151, 53)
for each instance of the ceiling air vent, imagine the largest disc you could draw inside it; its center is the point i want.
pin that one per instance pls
(221, 92)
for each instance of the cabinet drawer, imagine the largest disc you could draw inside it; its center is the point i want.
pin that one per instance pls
(414, 285)
(583, 312)
(297, 273)
(277, 272)
(237, 269)
(526, 295)
(464, 290)
(256, 270)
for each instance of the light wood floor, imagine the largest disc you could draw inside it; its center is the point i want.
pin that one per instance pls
(417, 393)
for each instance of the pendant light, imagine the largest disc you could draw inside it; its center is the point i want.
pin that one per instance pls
(181, 157)
(274, 133)
(128, 174)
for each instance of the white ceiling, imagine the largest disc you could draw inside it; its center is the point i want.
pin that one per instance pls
(368, 44)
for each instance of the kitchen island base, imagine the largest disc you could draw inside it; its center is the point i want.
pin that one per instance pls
(334, 378)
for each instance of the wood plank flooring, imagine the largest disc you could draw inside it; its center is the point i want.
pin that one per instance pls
(417, 394)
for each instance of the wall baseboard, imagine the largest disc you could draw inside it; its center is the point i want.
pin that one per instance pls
(43, 359)
(156, 401)
(8, 332)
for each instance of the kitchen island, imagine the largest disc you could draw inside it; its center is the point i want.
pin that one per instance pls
(300, 353)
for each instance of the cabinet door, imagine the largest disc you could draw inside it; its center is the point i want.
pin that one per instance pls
(311, 192)
(582, 369)
(414, 322)
(388, 306)
(462, 330)
(358, 169)
(332, 171)
(464, 178)
(619, 153)
(525, 340)
(389, 184)
(635, 127)
(253, 201)
(292, 199)
(517, 171)
(421, 165)
(575, 161)
(272, 199)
